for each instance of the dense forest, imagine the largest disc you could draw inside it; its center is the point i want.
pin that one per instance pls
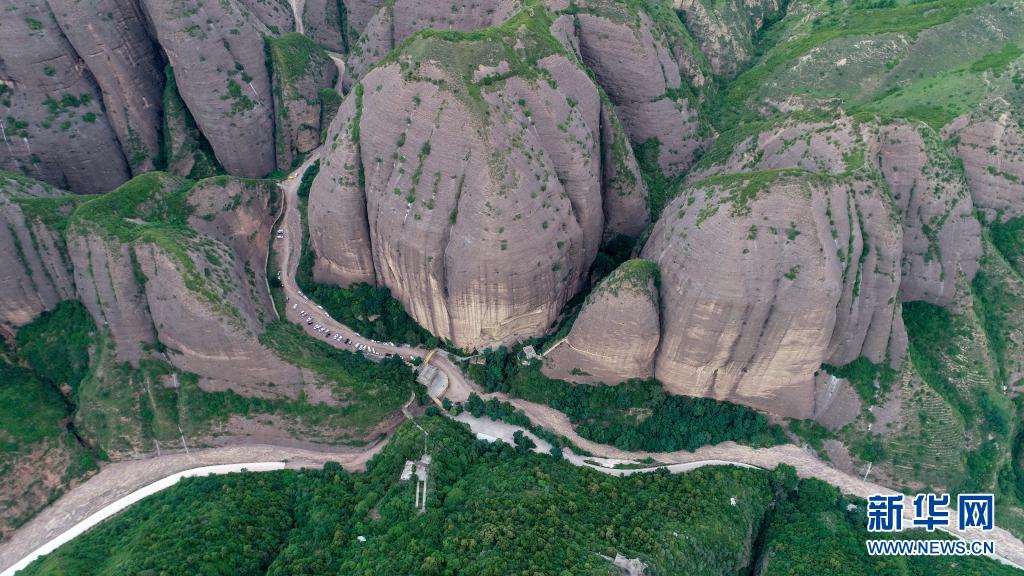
(493, 509)
(634, 415)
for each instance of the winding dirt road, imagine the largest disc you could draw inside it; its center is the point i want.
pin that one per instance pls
(122, 478)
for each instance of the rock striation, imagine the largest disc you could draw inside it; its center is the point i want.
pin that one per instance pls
(991, 145)
(482, 209)
(54, 127)
(300, 70)
(616, 334)
(37, 271)
(395, 21)
(725, 31)
(767, 275)
(649, 72)
(128, 70)
(216, 51)
(941, 237)
(325, 21)
(165, 264)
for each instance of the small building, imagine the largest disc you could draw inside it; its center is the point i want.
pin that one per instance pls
(530, 352)
(435, 380)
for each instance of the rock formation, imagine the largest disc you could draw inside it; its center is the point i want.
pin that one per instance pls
(54, 126)
(398, 20)
(276, 15)
(37, 271)
(767, 275)
(482, 210)
(649, 73)
(325, 21)
(122, 58)
(186, 151)
(726, 30)
(941, 238)
(194, 284)
(991, 145)
(301, 70)
(216, 51)
(615, 336)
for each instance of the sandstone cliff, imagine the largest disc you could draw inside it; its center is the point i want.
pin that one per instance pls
(120, 55)
(54, 127)
(481, 208)
(726, 30)
(990, 143)
(325, 21)
(397, 20)
(37, 271)
(165, 264)
(186, 151)
(647, 67)
(216, 50)
(276, 15)
(300, 70)
(615, 336)
(941, 237)
(767, 275)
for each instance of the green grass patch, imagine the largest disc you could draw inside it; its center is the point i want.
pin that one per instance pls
(871, 381)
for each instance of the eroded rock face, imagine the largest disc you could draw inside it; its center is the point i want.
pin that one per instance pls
(37, 272)
(358, 13)
(216, 50)
(54, 126)
(626, 210)
(300, 70)
(725, 30)
(615, 336)
(186, 151)
(276, 15)
(941, 237)
(647, 74)
(123, 59)
(765, 276)
(323, 21)
(398, 20)
(992, 149)
(482, 211)
(201, 295)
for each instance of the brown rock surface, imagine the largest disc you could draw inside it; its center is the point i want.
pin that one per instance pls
(200, 292)
(765, 276)
(123, 59)
(216, 50)
(276, 15)
(37, 272)
(300, 70)
(725, 30)
(395, 21)
(484, 212)
(322, 20)
(642, 68)
(992, 149)
(615, 336)
(941, 237)
(54, 126)
(626, 208)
